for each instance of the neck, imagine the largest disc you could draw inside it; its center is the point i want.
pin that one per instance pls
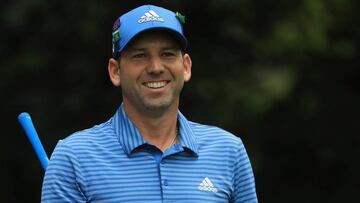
(159, 129)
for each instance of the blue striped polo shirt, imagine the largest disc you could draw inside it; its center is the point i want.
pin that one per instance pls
(111, 162)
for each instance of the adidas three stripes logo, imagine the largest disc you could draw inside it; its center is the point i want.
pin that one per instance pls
(206, 185)
(150, 16)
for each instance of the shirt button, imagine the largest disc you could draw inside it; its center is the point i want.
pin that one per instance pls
(162, 162)
(165, 182)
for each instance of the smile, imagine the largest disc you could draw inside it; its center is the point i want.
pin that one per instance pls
(155, 85)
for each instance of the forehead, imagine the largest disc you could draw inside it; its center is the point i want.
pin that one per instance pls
(154, 37)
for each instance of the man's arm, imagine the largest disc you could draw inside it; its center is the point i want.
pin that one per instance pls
(62, 177)
(244, 183)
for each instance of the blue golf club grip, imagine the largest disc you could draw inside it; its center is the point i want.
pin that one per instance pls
(28, 126)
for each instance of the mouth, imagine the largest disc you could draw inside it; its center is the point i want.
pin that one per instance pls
(156, 84)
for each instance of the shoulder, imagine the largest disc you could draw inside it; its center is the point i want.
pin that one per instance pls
(86, 146)
(215, 135)
(90, 136)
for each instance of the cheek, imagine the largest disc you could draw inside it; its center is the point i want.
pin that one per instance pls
(129, 73)
(131, 79)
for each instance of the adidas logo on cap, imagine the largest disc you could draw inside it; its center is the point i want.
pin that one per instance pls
(150, 16)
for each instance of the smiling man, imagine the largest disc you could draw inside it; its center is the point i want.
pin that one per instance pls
(151, 72)
(148, 151)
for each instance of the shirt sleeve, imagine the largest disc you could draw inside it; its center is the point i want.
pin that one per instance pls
(244, 183)
(63, 179)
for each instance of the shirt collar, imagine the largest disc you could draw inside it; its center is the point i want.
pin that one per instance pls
(130, 138)
(187, 137)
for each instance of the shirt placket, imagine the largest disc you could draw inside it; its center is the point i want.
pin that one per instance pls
(162, 166)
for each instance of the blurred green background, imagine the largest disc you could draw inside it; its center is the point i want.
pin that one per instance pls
(283, 75)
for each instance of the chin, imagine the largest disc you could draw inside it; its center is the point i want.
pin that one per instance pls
(158, 105)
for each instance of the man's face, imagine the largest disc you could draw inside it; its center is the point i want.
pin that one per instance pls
(152, 72)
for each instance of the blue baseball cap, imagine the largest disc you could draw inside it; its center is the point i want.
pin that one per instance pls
(143, 18)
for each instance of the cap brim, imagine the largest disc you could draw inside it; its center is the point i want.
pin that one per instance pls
(182, 41)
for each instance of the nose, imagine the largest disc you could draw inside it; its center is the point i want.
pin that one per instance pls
(155, 66)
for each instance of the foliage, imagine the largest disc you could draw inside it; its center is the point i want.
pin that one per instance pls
(280, 74)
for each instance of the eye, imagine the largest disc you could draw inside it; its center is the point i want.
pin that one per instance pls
(138, 55)
(168, 54)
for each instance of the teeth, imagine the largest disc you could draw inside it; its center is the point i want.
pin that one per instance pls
(155, 84)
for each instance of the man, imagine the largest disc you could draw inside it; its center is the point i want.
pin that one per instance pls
(148, 151)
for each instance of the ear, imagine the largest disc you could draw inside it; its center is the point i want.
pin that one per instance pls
(114, 72)
(187, 65)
